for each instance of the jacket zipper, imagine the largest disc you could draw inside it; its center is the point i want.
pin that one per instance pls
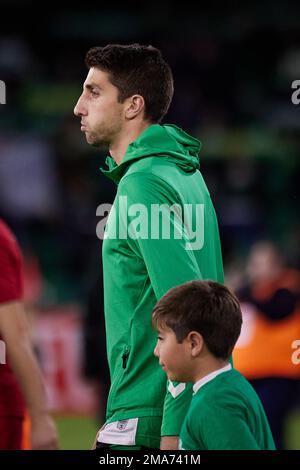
(125, 357)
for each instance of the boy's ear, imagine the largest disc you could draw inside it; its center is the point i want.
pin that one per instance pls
(196, 343)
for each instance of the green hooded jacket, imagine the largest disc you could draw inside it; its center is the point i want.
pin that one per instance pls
(146, 251)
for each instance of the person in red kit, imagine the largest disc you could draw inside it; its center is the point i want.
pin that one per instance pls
(20, 378)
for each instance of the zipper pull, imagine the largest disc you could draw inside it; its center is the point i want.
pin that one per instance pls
(125, 358)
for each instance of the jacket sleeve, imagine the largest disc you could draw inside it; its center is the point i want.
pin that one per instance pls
(162, 242)
(168, 261)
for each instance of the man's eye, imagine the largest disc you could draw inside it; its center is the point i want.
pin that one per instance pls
(94, 93)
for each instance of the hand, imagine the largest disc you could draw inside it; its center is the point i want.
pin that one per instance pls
(43, 433)
(169, 443)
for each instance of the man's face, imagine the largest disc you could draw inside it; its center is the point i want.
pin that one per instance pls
(174, 358)
(98, 107)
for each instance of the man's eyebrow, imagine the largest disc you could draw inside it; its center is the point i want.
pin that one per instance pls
(90, 86)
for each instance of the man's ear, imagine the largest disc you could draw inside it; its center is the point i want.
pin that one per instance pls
(134, 106)
(196, 343)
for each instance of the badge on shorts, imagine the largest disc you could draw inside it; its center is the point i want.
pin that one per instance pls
(122, 425)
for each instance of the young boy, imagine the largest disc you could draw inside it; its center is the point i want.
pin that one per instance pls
(198, 325)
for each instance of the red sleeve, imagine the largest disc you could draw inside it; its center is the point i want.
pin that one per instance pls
(11, 269)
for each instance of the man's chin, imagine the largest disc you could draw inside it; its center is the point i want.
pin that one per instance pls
(90, 140)
(95, 142)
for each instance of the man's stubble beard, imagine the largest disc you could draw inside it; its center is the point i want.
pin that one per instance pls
(104, 137)
(97, 141)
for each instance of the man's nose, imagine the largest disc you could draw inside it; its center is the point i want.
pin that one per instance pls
(79, 109)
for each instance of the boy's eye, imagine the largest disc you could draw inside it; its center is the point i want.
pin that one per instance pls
(159, 338)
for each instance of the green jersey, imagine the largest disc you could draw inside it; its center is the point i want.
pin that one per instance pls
(143, 257)
(225, 414)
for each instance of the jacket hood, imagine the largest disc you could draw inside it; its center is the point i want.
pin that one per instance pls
(164, 141)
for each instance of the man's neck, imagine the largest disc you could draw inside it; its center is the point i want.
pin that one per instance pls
(118, 148)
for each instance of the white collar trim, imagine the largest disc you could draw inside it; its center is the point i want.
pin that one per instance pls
(210, 377)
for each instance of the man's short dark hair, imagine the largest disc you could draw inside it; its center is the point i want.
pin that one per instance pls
(207, 307)
(136, 69)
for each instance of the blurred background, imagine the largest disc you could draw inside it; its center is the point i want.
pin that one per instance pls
(233, 69)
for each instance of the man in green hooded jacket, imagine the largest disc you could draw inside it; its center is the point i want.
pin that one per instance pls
(162, 231)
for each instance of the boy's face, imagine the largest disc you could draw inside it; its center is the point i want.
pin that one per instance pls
(174, 358)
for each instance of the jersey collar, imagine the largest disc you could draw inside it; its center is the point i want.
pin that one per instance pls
(210, 377)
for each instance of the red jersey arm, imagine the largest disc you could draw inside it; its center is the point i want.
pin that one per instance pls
(11, 276)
